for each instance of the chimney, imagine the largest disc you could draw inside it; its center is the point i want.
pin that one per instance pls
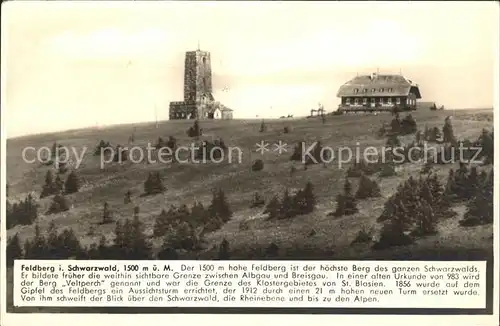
(373, 76)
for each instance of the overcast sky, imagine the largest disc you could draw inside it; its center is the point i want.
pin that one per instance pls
(68, 65)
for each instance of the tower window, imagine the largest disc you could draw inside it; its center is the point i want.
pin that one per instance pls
(204, 60)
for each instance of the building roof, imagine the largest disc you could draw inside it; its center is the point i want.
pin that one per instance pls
(378, 85)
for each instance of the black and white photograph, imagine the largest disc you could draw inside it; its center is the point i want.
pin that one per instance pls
(248, 131)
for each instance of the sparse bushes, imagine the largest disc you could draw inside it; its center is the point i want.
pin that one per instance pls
(408, 125)
(312, 155)
(209, 151)
(291, 205)
(462, 184)
(131, 242)
(257, 201)
(51, 187)
(56, 245)
(480, 208)
(153, 184)
(258, 165)
(387, 170)
(185, 236)
(416, 207)
(363, 168)
(121, 154)
(103, 147)
(24, 212)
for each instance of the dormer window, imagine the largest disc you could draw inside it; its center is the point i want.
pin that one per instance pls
(356, 90)
(381, 90)
(373, 90)
(390, 90)
(365, 90)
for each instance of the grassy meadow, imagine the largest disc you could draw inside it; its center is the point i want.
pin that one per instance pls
(189, 182)
(312, 236)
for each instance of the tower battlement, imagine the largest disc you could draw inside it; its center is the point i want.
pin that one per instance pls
(199, 102)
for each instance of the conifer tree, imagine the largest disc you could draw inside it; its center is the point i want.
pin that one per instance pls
(425, 218)
(58, 185)
(262, 126)
(140, 248)
(14, 250)
(346, 202)
(48, 187)
(224, 252)
(59, 204)
(286, 207)
(36, 248)
(480, 208)
(448, 135)
(273, 208)
(167, 252)
(106, 214)
(472, 183)
(72, 184)
(69, 245)
(367, 188)
(198, 214)
(128, 197)
(310, 200)
(219, 207)
(162, 222)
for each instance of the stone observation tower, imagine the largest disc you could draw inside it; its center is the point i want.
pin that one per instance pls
(199, 102)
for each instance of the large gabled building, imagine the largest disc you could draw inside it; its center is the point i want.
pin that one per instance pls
(378, 92)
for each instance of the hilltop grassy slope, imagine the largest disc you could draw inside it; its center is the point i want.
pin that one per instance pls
(186, 183)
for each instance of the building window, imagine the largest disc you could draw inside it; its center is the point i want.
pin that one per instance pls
(365, 100)
(356, 90)
(381, 100)
(348, 101)
(390, 90)
(381, 90)
(398, 100)
(355, 101)
(373, 90)
(389, 100)
(365, 90)
(372, 101)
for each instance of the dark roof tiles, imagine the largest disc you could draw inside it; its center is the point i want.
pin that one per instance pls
(377, 85)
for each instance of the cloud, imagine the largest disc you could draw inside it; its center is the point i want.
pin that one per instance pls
(109, 43)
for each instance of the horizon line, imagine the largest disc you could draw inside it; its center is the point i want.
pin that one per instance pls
(115, 125)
